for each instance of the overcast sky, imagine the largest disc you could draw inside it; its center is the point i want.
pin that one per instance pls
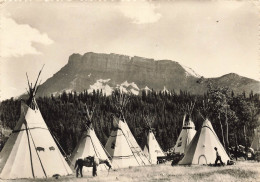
(213, 38)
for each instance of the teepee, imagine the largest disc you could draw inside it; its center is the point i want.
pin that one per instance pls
(89, 144)
(152, 148)
(256, 141)
(121, 144)
(31, 151)
(187, 133)
(201, 149)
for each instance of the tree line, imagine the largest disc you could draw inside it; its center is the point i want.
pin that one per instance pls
(234, 116)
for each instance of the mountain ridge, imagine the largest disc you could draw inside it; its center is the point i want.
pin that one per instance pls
(83, 71)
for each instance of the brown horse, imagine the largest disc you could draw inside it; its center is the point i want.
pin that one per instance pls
(90, 161)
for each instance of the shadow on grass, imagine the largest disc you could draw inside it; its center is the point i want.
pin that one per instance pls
(237, 173)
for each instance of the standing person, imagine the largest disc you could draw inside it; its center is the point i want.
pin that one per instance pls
(218, 157)
(79, 166)
(236, 152)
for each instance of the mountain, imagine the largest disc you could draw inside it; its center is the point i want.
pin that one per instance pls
(93, 71)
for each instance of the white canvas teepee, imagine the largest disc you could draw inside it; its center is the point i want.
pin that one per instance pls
(89, 145)
(123, 148)
(256, 141)
(31, 151)
(121, 144)
(187, 133)
(201, 149)
(152, 148)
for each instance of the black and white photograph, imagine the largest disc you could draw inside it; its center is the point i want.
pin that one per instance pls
(129, 90)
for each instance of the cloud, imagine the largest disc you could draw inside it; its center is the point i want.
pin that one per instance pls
(17, 39)
(140, 12)
(8, 92)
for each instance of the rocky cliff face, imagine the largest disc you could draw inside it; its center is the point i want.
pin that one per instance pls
(108, 71)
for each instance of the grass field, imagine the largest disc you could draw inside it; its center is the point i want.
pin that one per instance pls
(241, 171)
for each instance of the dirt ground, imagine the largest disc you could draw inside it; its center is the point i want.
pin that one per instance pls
(241, 171)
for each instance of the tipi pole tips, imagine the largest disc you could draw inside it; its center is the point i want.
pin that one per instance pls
(38, 76)
(28, 80)
(202, 115)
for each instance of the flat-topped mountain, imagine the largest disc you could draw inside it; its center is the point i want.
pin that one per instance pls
(109, 71)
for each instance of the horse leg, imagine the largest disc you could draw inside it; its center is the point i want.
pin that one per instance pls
(77, 172)
(81, 171)
(94, 172)
(76, 166)
(236, 157)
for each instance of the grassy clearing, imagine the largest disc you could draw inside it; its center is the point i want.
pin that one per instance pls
(242, 171)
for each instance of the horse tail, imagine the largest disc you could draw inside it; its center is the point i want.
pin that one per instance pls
(76, 164)
(108, 164)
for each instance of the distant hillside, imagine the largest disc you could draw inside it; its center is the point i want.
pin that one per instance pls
(109, 71)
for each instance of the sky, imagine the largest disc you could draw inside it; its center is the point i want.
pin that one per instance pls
(211, 37)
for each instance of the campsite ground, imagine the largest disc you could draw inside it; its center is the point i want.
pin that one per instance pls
(242, 171)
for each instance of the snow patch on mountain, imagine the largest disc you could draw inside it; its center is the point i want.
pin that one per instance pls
(101, 84)
(122, 88)
(55, 93)
(165, 90)
(135, 92)
(126, 84)
(147, 88)
(126, 87)
(103, 81)
(190, 72)
(67, 91)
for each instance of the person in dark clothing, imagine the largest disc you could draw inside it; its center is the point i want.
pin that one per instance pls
(79, 166)
(236, 152)
(218, 157)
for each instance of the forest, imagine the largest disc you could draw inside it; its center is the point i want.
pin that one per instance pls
(234, 116)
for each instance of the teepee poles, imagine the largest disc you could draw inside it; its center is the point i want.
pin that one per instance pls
(87, 114)
(133, 153)
(32, 90)
(121, 102)
(32, 93)
(148, 121)
(30, 150)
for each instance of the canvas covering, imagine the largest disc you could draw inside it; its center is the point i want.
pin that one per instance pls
(89, 145)
(152, 149)
(187, 133)
(256, 141)
(123, 148)
(201, 149)
(31, 153)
